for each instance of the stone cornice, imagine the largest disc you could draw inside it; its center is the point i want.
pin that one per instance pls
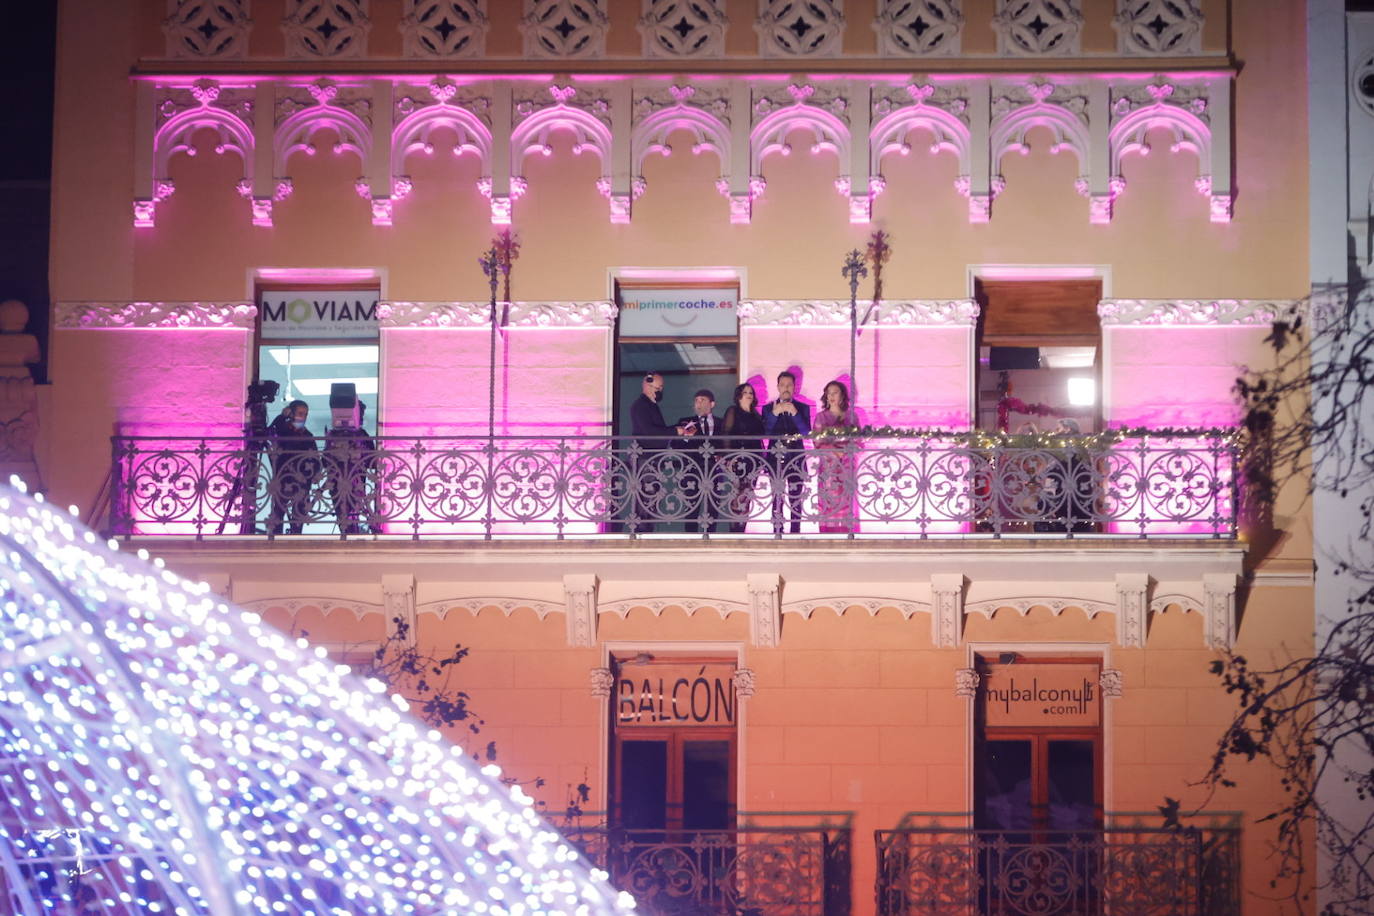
(478, 314)
(144, 315)
(1196, 312)
(835, 312)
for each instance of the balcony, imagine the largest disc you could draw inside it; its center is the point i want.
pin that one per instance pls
(927, 867)
(938, 485)
(765, 866)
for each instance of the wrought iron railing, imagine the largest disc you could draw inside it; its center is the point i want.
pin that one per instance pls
(577, 486)
(930, 869)
(768, 865)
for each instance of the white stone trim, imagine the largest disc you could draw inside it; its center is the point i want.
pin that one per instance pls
(326, 606)
(579, 591)
(1132, 609)
(142, 315)
(507, 605)
(398, 600)
(1196, 312)
(898, 37)
(1023, 605)
(1015, 37)
(419, 38)
(1180, 33)
(947, 609)
(228, 18)
(601, 681)
(966, 682)
(660, 40)
(658, 605)
(1112, 682)
(1219, 611)
(804, 608)
(776, 16)
(822, 313)
(765, 609)
(396, 314)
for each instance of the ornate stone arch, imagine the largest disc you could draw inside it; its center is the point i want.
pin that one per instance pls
(532, 136)
(709, 133)
(889, 135)
(175, 136)
(1008, 132)
(769, 135)
(1187, 132)
(412, 134)
(296, 134)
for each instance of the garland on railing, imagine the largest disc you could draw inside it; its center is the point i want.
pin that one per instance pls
(979, 438)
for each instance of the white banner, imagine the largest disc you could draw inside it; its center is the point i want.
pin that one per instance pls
(329, 314)
(679, 312)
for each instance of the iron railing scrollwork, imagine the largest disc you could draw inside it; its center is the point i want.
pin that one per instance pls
(935, 870)
(927, 486)
(748, 870)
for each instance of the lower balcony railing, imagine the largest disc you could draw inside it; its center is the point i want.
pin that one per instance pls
(932, 870)
(579, 486)
(749, 870)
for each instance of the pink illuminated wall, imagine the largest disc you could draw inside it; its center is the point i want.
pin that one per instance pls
(155, 382)
(1177, 376)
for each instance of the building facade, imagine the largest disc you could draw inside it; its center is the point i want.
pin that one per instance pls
(945, 660)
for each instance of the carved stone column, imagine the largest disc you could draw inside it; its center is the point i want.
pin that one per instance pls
(765, 609)
(966, 682)
(579, 592)
(1219, 610)
(1132, 609)
(947, 609)
(398, 603)
(1111, 683)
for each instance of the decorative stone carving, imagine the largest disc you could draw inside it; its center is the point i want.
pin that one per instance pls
(602, 682)
(1111, 682)
(765, 609)
(587, 114)
(18, 400)
(474, 605)
(1184, 109)
(1219, 611)
(579, 591)
(565, 28)
(835, 312)
(690, 605)
(398, 601)
(683, 28)
(744, 682)
(1158, 27)
(1037, 28)
(800, 28)
(326, 606)
(207, 31)
(1100, 205)
(918, 28)
(1054, 604)
(300, 113)
(1060, 108)
(809, 606)
(326, 28)
(947, 605)
(97, 315)
(179, 112)
(394, 314)
(1197, 312)
(1132, 609)
(966, 682)
(449, 29)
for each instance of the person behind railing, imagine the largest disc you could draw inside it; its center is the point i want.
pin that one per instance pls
(295, 465)
(705, 436)
(650, 432)
(743, 459)
(786, 421)
(836, 465)
(351, 458)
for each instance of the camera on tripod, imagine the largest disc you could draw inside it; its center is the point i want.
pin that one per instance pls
(345, 411)
(260, 394)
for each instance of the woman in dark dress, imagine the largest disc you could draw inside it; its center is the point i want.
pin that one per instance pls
(743, 458)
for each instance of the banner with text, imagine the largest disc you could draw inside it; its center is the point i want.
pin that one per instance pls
(1037, 695)
(675, 695)
(690, 312)
(332, 314)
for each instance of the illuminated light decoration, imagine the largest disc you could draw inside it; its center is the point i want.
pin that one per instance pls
(1082, 392)
(163, 752)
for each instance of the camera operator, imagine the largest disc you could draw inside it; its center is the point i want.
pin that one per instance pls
(351, 456)
(295, 466)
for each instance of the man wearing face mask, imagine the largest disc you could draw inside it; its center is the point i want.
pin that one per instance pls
(650, 432)
(294, 468)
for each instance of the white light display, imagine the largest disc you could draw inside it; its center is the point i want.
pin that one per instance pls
(162, 752)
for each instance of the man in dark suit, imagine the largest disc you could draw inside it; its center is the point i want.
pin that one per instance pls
(784, 421)
(706, 426)
(650, 432)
